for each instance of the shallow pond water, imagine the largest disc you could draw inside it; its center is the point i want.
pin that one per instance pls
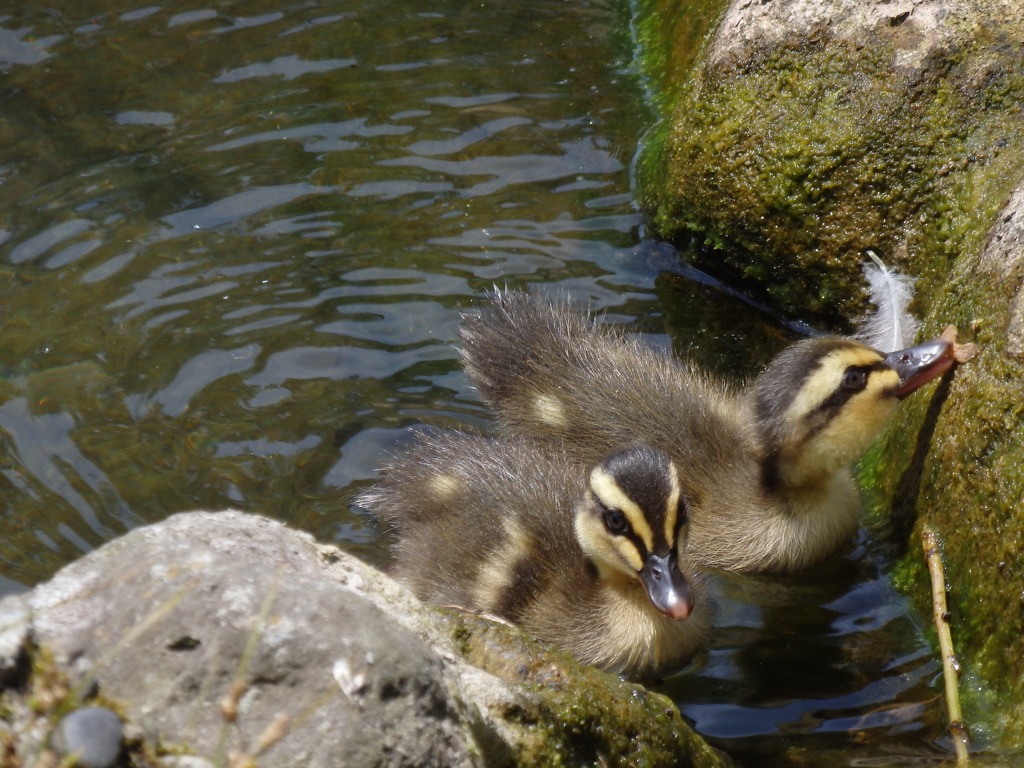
(235, 240)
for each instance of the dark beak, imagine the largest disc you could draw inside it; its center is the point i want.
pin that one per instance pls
(919, 365)
(666, 586)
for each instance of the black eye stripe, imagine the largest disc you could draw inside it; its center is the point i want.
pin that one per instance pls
(832, 404)
(627, 532)
(682, 514)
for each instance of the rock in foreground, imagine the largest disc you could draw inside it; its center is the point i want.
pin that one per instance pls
(221, 633)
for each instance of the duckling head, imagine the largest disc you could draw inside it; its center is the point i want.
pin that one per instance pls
(822, 401)
(629, 523)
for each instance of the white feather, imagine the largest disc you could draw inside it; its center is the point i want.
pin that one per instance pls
(890, 326)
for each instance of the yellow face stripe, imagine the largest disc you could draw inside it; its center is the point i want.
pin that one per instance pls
(828, 376)
(611, 495)
(610, 554)
(822, 439)
(862, 418)
(672, 510)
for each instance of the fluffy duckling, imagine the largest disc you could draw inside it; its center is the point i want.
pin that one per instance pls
(586, 559)
(765, 468)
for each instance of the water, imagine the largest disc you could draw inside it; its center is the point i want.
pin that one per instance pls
(235, 240)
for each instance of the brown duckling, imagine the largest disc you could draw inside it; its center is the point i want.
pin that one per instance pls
(587, 559)
(765, 468)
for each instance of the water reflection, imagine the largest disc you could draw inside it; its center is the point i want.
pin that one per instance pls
(834, 658)
(236, 242)
(248, 233)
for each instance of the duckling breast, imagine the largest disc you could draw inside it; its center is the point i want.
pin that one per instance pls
(637, 640)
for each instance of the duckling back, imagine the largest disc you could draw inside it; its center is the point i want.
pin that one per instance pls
(466, 517)
(489, 526)
(551, 374)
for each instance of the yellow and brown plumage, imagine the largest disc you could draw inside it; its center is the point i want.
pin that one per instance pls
(584, 557)
(765, 467)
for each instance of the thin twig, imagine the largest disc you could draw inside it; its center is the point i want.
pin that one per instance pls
(950, 664)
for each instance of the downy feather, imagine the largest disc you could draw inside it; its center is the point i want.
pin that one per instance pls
(890, 326)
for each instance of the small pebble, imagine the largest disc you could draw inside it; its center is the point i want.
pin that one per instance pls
(93, 734)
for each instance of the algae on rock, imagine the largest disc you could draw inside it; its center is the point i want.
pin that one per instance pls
(806, 133)
(795, 151)
(957, 462)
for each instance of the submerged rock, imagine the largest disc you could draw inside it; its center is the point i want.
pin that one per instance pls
(227, 633)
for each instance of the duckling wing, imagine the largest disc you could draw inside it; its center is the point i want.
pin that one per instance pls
(481, 524)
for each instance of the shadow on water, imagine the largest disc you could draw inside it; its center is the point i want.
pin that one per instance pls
(235, 242)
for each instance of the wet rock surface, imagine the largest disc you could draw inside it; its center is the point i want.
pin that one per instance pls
(806, 133)
(955, 462)
(809, 132)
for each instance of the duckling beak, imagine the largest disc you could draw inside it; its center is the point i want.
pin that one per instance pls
(918, 365)
(666, 586)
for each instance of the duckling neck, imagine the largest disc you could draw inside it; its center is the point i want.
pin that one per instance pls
(814, 485)
(782, 531)
(807, 473)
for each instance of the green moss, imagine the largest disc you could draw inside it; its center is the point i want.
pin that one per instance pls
(669, 37)
(793, 161)
(576, 715)
(955, 459)
(794, 158)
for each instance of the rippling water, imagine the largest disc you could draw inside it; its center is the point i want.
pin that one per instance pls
(235, 240)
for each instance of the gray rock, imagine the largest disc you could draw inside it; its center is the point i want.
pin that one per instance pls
(935, 26)
(92, 735)
(1002, 257)
(211, 626)
(230, 635)
(185, 761)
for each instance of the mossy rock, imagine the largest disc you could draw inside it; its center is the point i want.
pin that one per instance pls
(225, 632)
(956, 462)
(566, 714)
(794, 152)
(804, 134)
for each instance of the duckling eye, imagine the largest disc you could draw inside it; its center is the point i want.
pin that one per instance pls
(615, 521)
(854, 378)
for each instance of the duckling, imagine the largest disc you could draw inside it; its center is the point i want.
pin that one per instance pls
(765, 468)
(587, 559)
